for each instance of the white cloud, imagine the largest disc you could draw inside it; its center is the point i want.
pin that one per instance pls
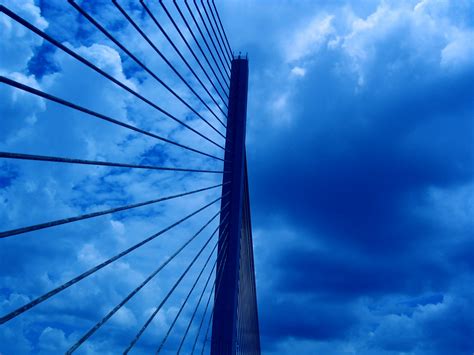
(89, 255)
(18, 43)
(125, 318)
(307, 40)
(298, 71)
(52, 340)
(459, 52)
(428, 33)
(19, 110)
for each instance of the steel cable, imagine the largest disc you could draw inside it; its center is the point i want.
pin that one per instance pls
(143, 66)
(155, 312)
(69, 104)
(99, 324)
(188, 26)
(58, 222)
(86, 62)
(171, 42)
(155, 48)
(96, 268)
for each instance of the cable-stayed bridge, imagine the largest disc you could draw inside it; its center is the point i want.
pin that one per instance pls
(203, 97)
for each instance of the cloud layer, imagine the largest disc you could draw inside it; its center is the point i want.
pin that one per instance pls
(361, 161)
(361, 165)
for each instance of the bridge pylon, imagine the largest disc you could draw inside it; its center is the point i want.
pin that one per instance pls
(235, 327)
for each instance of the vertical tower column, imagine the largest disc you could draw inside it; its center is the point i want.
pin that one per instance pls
(224, 326)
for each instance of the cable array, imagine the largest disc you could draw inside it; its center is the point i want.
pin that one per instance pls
(221, 68)
(223, 85)
(196, 75)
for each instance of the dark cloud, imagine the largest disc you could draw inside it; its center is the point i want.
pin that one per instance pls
(351, 167)
(376, 149)
(306, 317)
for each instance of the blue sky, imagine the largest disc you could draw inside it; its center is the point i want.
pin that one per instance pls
(361, 163)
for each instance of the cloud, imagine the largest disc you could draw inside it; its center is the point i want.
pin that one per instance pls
(52, 340)
(459, 51)
(21, 106)
(18, 43)
(298, 71)
(308, 39)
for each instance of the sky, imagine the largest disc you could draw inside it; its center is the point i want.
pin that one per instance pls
(360, 132)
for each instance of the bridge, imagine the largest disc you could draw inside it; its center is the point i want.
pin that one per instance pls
(220, 296)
